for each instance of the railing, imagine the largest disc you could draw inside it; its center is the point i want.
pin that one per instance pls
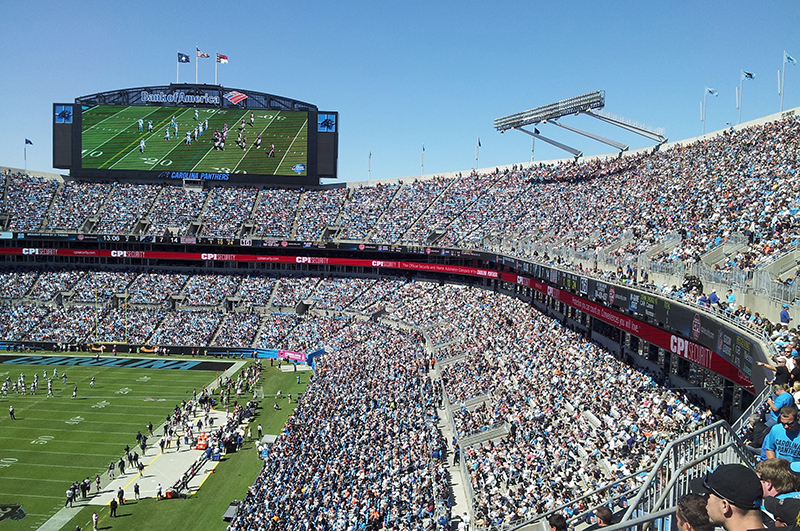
(683, 460)
(759, 401)
(770, 287)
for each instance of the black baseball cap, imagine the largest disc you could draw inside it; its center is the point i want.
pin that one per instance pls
(737, 484)
(787, 510)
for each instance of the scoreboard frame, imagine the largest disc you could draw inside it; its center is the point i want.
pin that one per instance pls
(322, 134)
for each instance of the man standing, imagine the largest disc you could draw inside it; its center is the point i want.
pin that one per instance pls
(733, 497)
(121, 496)
(95, 519)
(11, 412)
(113, 506)
(731, 299)
(782, 374)
(785, 318)
(783, 440)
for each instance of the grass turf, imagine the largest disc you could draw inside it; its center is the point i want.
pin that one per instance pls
(58, 440)
(110, 140)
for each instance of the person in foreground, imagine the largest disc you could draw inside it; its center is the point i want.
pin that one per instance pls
(734, 497)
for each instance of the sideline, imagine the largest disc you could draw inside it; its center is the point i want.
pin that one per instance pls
(164, 468)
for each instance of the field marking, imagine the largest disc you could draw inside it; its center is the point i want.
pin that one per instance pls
(109, 139)
(211, 149)
(244, 155)
(305, 124)
(62, 409)
(132, 148)
(182, 141)
(120, 112)
(35, 479)
(11, 494)
(39, 451)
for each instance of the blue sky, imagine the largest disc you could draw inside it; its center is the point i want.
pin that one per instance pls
(404, 74)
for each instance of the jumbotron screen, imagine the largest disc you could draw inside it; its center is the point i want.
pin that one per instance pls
(194, 139)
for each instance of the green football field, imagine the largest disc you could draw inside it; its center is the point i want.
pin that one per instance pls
(58, 440)
(111, 139)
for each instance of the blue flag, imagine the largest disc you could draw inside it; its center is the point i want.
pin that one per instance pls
(183, 58)
(748, 75)
(28, 142)
(790, 59)
(712, 91)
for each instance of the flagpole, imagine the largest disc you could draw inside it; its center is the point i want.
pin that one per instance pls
(196, 63)
(422, 172)
(369, 166)
(25, 155)
(178, 70)
(216, 65)
(703, 109)
(783, 78)
(741, 87)
(703, 114)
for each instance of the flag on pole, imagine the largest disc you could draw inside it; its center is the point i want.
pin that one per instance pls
(790, 59)
(183, 58)
(748, 75)
(423, 148)
(222, 58)
(479, 141)
(28, 142)
(712, 91)
(202, 54)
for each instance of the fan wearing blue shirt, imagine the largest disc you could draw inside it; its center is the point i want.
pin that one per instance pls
(783, 440)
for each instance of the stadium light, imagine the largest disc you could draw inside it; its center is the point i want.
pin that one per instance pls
(589, 104)
(552, 111)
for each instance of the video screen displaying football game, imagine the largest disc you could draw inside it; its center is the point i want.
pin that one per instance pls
(233, 141)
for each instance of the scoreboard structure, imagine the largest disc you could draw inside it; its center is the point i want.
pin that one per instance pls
(169, 133)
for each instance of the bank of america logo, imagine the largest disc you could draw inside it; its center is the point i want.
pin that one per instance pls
(235, 97)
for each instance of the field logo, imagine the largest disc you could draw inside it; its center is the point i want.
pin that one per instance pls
(12, 511)
(299, 168)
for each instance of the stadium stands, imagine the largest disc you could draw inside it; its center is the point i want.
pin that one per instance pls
(550, 415)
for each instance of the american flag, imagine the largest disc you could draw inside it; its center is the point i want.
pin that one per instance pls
(201, 54)
(235, 96)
